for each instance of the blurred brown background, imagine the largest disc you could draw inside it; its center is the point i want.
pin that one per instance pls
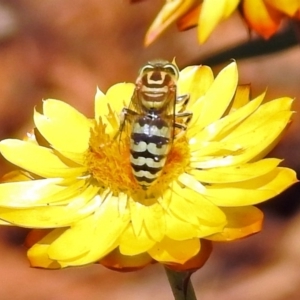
(63, 50)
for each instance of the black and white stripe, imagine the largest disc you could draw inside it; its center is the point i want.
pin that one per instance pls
(150, 144)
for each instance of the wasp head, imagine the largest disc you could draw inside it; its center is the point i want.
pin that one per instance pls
(156, 85)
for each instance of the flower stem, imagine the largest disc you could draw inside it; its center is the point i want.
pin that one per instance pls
(181, 284)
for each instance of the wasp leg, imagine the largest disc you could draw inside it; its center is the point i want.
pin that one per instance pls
(125, 115)
(182, 128)
(186, 116)
(183, 100)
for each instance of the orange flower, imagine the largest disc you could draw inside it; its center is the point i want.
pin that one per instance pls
(263, 16)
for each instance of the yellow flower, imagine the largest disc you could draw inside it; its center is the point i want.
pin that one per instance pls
(263, 16)
(76, 190)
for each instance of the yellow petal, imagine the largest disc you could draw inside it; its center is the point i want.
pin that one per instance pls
(15, 176)
(241, 97)
(4, 223)
(222, 127)
(38, 253)
(259, 142)
(28, 193)
(154, 221)
(109, 106)
(195, 262)
(117, 96)
(212, 14)
(71, 190)
(54, 216)
(175, 251)
(92, 238)
(189, 211)
(132, 244)
(38, 257)
(263, 114)
(188, 204)
(137, 216)
(236, 173)
(190, 182)
(171, 11)
(75, 241)
(242, 221)
(101, 104)
(38, 160)
(124, 263)
(196, 109)
(252, 191)
(207, 152)
(195, 81)
(179, 230)
(180, 208)
(63, 126)
(218, 97)
(251, 145)
(152, 217)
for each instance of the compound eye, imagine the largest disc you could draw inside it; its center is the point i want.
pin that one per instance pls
(172, 70)
(146, 69)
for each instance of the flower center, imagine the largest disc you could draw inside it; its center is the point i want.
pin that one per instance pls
(108, 161)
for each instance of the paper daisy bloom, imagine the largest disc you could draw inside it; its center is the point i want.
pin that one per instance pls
(76, 190)
(263, 16)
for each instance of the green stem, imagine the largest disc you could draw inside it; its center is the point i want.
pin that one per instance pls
(181, 284)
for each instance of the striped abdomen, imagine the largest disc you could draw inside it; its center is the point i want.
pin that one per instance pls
(150, 144)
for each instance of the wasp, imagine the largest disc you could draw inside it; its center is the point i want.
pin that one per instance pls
(152, 119)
